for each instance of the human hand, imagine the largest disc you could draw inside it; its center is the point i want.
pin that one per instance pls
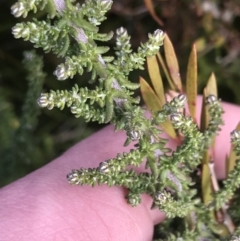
(43, 206)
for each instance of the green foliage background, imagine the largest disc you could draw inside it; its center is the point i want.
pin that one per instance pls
(186, 22)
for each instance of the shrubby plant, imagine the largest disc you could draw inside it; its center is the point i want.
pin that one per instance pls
(71, 31)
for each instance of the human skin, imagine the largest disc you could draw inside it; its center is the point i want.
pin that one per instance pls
(42, 206)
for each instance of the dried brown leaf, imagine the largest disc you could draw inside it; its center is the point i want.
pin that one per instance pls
(164, 67)
(156, 79)
(172, 63)
(153, 104)
(150, 98)
(150, 7)
(210, 89)
(191, 82)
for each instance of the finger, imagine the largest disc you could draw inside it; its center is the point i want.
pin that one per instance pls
(43, 206)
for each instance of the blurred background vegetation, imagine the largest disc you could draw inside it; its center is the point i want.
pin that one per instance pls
(30, 137)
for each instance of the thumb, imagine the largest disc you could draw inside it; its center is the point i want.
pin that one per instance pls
(43, 206)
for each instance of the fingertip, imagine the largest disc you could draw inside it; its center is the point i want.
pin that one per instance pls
(231, 117)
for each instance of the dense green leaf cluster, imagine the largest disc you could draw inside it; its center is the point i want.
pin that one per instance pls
(71, 31)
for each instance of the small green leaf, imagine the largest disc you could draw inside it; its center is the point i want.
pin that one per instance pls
(172, 63)
(127, 142)
(51, 8)
(65, 42)
(151, 163)
(109, 109)
(101, 49)
(156, 79)
(191, 82)
(84, 24)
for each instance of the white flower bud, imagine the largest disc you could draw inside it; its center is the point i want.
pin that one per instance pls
(177, 117)
(180, 99)
(106, 4)
(121, 32)
(18, 9)
(235, 135)
(61, 72)
(17, 30)
(158, 35)
(103, 167)
(161, 197)
(73, 177)
(133, 135)
(43, 100)
(133, 199)
(211, 99)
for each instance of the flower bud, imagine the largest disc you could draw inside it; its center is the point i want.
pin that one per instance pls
(103, 167)
(133, 135)
(73, 177)
(161, 198)
(211, 99)
(158, 35)
(17, 30)
(18, 9)
(177, 117)
(61, 72)
(106, 4)
(235, 135)
(43, 100)
(180, 99)
(133, 199)
(121, 32)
